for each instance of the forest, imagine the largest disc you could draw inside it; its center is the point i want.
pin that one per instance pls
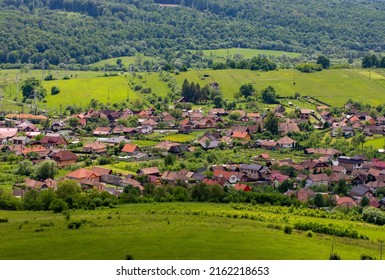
(86, 31)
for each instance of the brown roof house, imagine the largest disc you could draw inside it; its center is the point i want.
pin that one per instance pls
(95, 147)
(64, 158)
(287, 142)
(53, 140)
(130, 149)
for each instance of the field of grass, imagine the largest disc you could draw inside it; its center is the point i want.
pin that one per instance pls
(81, 91)
(183, 138)
(247, 53)
(126, 60)
(377, 143)
(176, 231)
(333, 86)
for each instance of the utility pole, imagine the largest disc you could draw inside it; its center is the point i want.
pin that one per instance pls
(381, 242)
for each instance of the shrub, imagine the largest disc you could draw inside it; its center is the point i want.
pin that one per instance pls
(309, 233)
(373, 216)
(334, 256)
(287, 229)
(366, 257)
(74, 225)
(4, 220)
(55, 90)
(129, 257)
(58, 205)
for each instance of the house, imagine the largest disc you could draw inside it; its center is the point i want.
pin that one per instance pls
(149, 171)
(285, 128)
(251, 170)
(231, 177)
(345, 201)
(20, 140)
(243, 136)
(81, 174)
(57, 126)
(323, 151)
(287, 142)
(242, 187)
(101, 131)
(305, 194)
(206, 123)
(100, 170)
(173, 176)
(279, 109)
(38, 150)
(53, 140)
(64, 158)
(267, 144)
(130, 149)
(6, 133)
(351, 163)
(185, 129)
(317, 180)
(359, 191)
(95, 147)
(127, 181)
(26, 126)
(305, 114)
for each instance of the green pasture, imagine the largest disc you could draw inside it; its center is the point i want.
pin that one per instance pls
(126, 61)
(177, 231)
(81, 91)
(334, 86)
(377, 143)
(183, 138)
(247, 53)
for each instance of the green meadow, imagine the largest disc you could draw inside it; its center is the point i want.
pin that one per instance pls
(334, 86)
(178, 231)
(247, 53)
(126, 61)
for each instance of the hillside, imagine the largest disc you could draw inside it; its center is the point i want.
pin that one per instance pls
(86, 31)
(180, 231)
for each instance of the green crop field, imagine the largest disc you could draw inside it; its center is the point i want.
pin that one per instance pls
(178, 231)
(247, 53)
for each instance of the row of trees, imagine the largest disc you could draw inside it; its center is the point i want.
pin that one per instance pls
(192, 92)
(373, 61)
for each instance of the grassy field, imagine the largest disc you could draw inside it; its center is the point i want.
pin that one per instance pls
(81, 91)
(183, 138)
(126, 61)
(247, 53)
(377, 143)
(331, 86)
(176, 231)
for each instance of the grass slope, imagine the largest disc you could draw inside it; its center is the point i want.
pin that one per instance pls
(175, 231)
(331, 86)
(247, 53)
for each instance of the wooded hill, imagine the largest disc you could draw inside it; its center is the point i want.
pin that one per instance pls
(86, 31)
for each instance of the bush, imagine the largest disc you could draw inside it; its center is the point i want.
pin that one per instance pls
(373, 216)
(329, 229)
(129, 257)
(74, 225)
(287, 229)
(55, 90)
(334, 256)
(58, 205)
(4, 220)
(309, 233)
(366, 257)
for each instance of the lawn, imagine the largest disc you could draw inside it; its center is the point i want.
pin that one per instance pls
(176, 231)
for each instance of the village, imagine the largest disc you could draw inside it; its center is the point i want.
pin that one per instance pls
(337, 179)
